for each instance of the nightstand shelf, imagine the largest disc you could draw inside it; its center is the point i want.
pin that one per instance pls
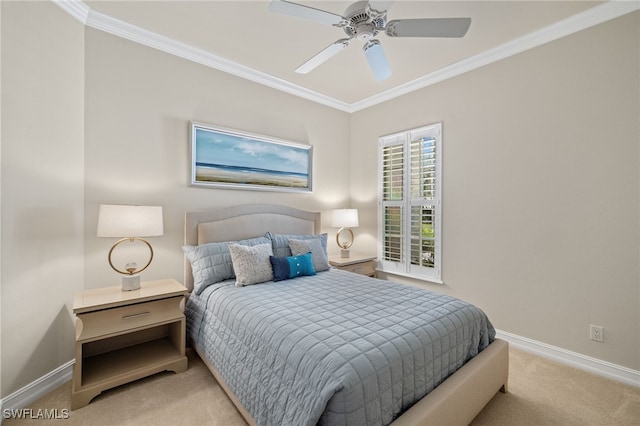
(357, 263)
(125, 336)
(110, 366)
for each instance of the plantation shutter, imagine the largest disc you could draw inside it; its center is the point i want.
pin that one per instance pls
(409, 214)
(423, 189)
(392, 200)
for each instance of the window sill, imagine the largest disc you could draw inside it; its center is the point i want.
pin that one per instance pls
(415, 277)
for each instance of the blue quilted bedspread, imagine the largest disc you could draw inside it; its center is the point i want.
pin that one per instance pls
(335, 348)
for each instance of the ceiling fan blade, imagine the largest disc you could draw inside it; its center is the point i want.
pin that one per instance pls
(380, 5)
(377, 60)
(428, 27)
(304, 12)
(323, 55)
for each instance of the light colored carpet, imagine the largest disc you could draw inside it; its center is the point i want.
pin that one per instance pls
(541, 392)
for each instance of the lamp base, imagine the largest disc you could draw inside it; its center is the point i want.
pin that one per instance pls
(131, 282)
(344, 253)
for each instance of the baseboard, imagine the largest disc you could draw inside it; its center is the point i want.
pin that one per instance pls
(25, 396)
(38, 388)
(582, 362)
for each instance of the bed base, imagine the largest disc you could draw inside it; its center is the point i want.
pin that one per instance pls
(456, 401)
(243, 412)
(459, 399)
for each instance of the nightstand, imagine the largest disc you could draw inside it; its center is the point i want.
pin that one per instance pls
(123, 336)
(365, 265)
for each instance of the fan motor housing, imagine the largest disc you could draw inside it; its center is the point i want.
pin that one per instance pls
(362, 24)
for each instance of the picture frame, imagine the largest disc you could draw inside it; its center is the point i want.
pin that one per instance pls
(229, 158)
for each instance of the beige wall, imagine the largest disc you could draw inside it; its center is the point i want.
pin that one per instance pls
(138, 105)
(133, 104)
(541, 190)
(540, 187)
(42, 188)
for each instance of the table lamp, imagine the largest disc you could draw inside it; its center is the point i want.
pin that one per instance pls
(344, 219)
(130, 223)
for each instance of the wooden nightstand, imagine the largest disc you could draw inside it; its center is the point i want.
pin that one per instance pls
(123, 336)
(365, 265)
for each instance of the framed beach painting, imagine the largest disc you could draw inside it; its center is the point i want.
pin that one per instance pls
(227, 158)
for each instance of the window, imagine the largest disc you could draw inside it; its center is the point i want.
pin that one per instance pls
(409, 202)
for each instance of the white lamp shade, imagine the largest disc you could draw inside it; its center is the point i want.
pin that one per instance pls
(344, 218)
(130, 221)
(377, 60)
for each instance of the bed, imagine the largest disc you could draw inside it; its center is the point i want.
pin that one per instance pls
(319, 365)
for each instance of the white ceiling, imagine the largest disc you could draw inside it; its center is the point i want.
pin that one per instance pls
(249, 40)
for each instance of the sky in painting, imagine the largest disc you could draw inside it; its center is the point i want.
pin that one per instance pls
(232, 150)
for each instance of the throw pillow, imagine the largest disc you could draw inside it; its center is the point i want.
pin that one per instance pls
(251, 264)
(318, 253)
(285, 268)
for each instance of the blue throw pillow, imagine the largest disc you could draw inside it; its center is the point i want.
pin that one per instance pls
(285, 268)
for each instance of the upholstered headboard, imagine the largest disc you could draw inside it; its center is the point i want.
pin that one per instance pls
(243, 222)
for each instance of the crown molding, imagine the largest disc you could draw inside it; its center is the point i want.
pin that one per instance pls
(77, 9)
(139, 35)
(583, 20)
(563, 28)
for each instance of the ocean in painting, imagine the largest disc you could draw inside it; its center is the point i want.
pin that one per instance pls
(220, 173)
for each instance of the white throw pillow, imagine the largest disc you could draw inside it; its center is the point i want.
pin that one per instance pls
(251, 264)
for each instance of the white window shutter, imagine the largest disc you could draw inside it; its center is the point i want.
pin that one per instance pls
(409, 206)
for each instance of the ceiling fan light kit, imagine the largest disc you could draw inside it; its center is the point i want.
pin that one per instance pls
(377, 60)
(363, 20)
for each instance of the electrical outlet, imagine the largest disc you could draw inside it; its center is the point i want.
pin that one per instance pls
(596, 333)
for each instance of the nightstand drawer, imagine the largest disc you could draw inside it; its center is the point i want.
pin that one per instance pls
(115, 321)
(364, 268)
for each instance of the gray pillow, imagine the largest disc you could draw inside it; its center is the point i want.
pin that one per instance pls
(211, 262)
(281, 242)
(318, 253)
(251, 264)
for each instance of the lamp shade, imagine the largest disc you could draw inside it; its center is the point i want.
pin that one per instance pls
(344, 218)
(130, 221)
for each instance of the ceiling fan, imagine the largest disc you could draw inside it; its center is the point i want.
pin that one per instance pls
(364, 20)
